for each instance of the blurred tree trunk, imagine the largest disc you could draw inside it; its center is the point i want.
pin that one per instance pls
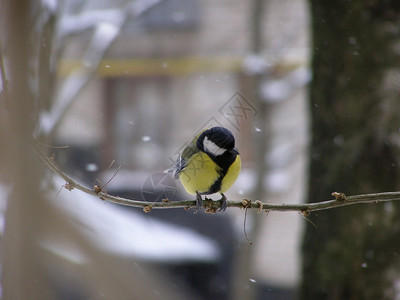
(354, 251)
(22, 276)
(241, 289)
(31, 268)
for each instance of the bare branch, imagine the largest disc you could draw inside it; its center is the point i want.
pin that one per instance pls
(306, 208)
(105, 32)
(3, 78)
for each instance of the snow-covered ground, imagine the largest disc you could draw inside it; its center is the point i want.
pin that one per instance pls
(129, 233)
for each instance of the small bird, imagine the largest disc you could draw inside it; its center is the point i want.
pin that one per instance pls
(209, 164)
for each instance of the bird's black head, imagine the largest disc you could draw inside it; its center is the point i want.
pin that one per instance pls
(216, 141)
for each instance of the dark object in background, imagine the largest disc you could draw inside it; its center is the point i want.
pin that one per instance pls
(206, 279)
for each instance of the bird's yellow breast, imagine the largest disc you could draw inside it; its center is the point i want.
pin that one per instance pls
(231, 175)
(202, 172)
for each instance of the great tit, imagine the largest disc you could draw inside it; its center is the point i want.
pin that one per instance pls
(209, 164)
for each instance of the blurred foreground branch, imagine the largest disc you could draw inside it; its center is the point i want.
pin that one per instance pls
(339, 200)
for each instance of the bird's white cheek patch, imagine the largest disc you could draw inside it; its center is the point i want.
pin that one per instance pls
(212, 148)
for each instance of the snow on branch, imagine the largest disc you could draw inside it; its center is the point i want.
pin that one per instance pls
(212, 206)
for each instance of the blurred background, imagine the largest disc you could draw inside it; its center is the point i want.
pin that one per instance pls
(117, 88)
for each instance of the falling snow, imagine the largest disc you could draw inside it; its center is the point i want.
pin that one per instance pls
(91, 167)
(146, 138)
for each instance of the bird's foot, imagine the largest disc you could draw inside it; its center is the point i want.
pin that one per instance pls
(224, 204)
(199, 203)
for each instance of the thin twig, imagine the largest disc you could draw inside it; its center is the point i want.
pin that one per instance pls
(4, 81)
(244, 227)
(306, 208)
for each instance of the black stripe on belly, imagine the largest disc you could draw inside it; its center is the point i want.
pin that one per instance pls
(224, 162)
(216, 187)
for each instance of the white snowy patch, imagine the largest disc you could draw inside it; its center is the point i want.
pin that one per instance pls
(254, 64)
(51, 5)
(70, 24)
(140, 7)
(128, 233)
(281, 89)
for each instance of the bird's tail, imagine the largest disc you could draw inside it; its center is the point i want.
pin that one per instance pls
(177, 167)
(172, 170)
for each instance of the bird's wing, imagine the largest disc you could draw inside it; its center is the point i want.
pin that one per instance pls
(182, 161)
(184, 158)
